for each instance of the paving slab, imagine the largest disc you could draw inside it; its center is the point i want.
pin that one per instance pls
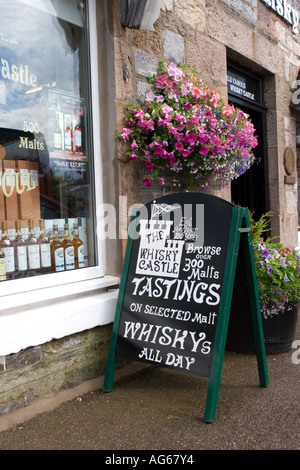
(162, 409)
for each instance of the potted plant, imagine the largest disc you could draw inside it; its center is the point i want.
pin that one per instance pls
(184, 129)
(278, 277)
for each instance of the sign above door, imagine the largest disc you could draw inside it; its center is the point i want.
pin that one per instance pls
(243, 85)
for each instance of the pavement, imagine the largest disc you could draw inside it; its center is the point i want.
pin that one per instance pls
(158, 409)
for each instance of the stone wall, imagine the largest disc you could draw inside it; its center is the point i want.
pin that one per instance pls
(205, 35)
(41, 371)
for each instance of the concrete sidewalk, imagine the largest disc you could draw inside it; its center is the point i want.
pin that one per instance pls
(162, 409)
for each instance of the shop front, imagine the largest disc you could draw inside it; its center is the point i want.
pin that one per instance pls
(56, 280)
(67, 71)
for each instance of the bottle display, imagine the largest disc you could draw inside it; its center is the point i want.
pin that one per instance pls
(2, 266)
(78, 138)
(33, 251)
(78, 248)
(68, 249)
(9, 252)
(57, 252)
(68, 134)
(20, 252)
(44, 246)
(28, 250)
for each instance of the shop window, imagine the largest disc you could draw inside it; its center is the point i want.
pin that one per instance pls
(298, 165)
(46, 165)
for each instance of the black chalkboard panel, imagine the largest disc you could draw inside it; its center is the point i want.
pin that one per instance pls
(174, 282)
(177, 285)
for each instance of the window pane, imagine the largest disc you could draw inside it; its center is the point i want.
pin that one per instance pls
(45, 158)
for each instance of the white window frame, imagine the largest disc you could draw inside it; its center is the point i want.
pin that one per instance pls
(36, 310)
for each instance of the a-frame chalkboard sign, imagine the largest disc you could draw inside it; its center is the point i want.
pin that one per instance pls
(176, 288)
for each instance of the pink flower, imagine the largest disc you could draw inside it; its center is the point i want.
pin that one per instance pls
(185, 152)
(150, 96)
(215, 140)
(172, 158)
(175, 71)
(196, 92)
(214, 99)
(125, 133)
(159, 150)
(147, 182)
(204, 150)
(253, 142)
(172, 130)
(133, 156)
(244, 152)
(190, 138)
(139, 113)
(203, 139)
(149, 166)
(162, 122)
(134, 145)
(178, 146)
(208, 112)
(150, 125)
(227, 110)
(166, 109)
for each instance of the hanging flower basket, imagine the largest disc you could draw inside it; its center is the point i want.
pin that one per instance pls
(185, 129)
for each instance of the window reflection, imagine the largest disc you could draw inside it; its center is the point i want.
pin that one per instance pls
(45, 164)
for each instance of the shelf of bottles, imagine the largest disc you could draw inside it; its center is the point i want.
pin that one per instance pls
(31, 249)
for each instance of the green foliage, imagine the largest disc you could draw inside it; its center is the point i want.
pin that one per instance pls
(277, 270)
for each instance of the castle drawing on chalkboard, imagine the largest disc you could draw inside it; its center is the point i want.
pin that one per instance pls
(158, 254)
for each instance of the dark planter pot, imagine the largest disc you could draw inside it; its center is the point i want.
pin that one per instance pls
(279, 333)
(279, 330)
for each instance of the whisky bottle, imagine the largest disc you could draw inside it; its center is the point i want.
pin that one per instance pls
(9, 252)
(57, 252)
(57, 134)
(78, 138)
(68, 134)
(68, 249)
(78, 248)
(45, 252)
(20, 252)
(2, 266)
(33, 251)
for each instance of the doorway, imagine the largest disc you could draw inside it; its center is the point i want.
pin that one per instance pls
(251, 189)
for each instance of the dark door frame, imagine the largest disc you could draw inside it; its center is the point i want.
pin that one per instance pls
(247, 106)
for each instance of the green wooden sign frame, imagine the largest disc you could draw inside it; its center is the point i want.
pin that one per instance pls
(240, 236)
